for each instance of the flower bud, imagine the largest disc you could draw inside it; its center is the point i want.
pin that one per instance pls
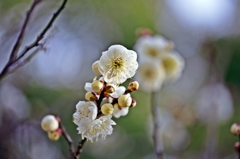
(49, 123)
(97, 86)
(134, 103)
(143, 32)
(235, 129)
(95, 68)
(125, 100)
(91, 96)
(237, 146)
(133, 86)
(107, 109)
(54, 135)
(110, 88)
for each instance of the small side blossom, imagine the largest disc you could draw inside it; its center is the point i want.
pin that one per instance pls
(99, 127)
(119, 111)
(117, 64)
(151, 76)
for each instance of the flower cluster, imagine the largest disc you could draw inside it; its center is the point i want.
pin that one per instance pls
(50, 124)
(105, 97)
(158, 64)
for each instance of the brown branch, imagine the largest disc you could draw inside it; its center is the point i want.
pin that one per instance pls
(14, 52)
(69, 141)
(158, 145)
(80, 147)
(13, 63)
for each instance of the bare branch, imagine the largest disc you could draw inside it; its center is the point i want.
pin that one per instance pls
(80, 147)
(69, 140)
(13, 63)
(158, 145)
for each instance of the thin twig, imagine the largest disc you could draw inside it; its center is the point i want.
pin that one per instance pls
(69, 140)
(14, 52)
(80, 147)
(158, 145)
(13, 62)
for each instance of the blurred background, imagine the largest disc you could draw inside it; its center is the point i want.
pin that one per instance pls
(197, 110)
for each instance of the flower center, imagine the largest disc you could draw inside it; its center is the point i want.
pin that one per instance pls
(117, 63)
(152, 52)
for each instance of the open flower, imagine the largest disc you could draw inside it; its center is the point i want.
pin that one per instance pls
(151, 76)
(99, 127)
(152, 47)
(173, 64)
(85, 112)
(117, 64)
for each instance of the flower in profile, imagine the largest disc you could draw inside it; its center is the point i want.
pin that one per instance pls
(151, 76)
(85, 112)
(152, 47)
(98, 127)
(173, 64)
(117, 64)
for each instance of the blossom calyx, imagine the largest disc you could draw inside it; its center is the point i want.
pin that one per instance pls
(125, 100)
(97, 86)
(49, 123)
(235, 129)
(54, 135)
(133, 86)
(91, 96)
(95, 68)
(107, 109)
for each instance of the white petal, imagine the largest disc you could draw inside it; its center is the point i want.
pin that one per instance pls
(88, 87)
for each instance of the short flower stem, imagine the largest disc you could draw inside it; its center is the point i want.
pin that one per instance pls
(157, 140)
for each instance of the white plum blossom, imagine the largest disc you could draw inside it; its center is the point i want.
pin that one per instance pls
(151, 76)
(173, 64)
(98, 127)
(119, 111)
(88, 125)
(152, 47)
(85, 112)
(117, 64)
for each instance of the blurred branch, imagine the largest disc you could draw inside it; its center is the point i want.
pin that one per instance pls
(14, 61)
(69, 140)
(158, 145)
(79, 148)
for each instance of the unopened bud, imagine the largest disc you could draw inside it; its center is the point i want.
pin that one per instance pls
(237, 146)
(107, 109)
(55, 135)
(235, 129)
(95, 68)
(133, 86)
(49, 123)
(110, 88)
(97, 86)
(134, 103)
(143, 32)
(125, 100)
(91, 96)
